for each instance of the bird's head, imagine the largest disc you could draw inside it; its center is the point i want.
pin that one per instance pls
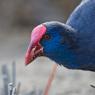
(50, 39)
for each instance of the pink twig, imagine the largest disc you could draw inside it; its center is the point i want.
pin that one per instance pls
(51, 78)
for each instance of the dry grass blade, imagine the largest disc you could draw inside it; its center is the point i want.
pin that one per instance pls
(14, 91)
(14, 73)
(18, 88)
(51, 78)
(6, 78)
(10, 88)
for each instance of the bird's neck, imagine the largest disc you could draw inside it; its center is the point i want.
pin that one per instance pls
(67, 53)
(68, 60)
(71, 37)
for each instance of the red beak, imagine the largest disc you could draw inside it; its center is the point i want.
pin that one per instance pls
(35, 49)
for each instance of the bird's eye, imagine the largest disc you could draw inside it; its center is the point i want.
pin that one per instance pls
(46, 37)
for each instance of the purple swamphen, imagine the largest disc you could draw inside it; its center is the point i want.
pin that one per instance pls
(72, 44)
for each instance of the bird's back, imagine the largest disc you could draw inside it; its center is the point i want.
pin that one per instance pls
(83, 17)
(83, 20)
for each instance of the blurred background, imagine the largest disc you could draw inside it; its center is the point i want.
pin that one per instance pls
(17, 19)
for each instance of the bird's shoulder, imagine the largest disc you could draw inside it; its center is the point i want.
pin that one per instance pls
(83, 17)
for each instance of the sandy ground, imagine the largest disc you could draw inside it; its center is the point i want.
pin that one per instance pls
(67, 82)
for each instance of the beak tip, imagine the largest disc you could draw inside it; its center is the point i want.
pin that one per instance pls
(27, 62)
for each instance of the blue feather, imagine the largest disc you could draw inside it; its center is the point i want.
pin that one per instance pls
(83, 20)
(78, 36)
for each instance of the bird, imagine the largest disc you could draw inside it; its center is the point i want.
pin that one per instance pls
(70, 44)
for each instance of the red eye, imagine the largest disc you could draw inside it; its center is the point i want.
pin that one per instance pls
(46, 37)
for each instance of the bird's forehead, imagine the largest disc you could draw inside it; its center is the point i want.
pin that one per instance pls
(55, 27)
(38, 32)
